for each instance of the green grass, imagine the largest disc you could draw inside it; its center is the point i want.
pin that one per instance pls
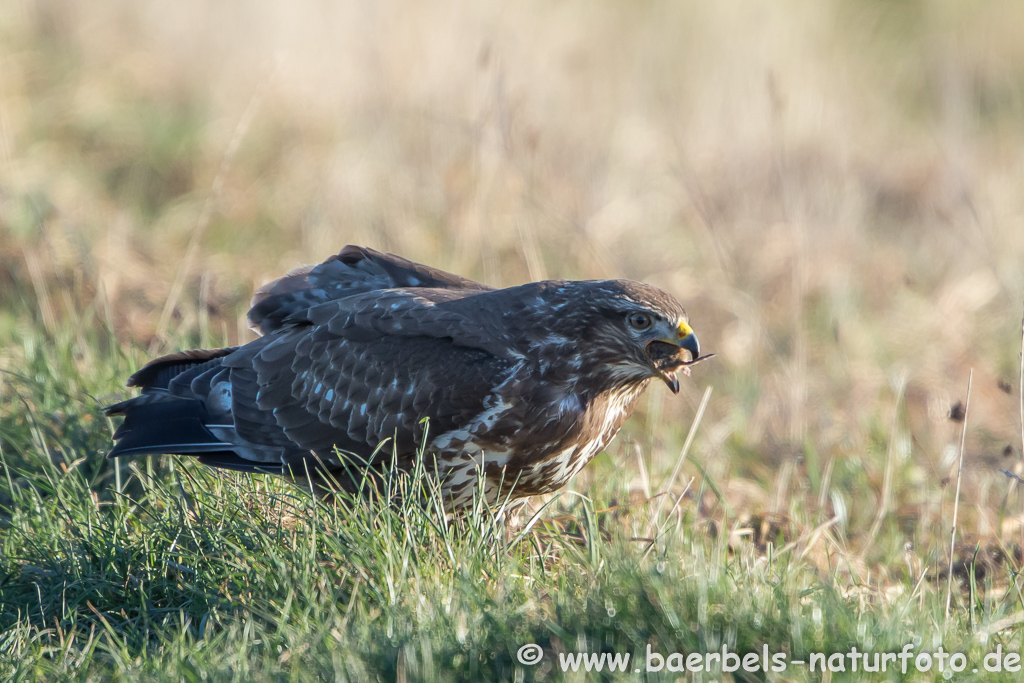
(831, 189)
(164, 570)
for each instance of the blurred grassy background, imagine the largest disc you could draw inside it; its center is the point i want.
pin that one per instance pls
(833, 189)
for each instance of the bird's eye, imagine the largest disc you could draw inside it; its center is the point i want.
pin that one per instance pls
(639, 321)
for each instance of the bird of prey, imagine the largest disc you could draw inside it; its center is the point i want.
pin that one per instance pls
(517, 387)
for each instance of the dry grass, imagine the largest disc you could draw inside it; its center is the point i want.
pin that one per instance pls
(832, 189)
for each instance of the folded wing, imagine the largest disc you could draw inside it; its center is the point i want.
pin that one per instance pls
(355, 270)
(341, 365)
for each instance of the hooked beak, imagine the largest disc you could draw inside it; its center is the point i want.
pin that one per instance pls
(690, 343)
(685, 339)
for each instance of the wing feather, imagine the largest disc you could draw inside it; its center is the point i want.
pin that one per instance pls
(352, 379)
(355, 270)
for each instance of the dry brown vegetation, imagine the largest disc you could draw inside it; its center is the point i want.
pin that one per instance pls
(833, 189)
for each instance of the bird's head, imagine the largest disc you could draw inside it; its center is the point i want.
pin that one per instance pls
(635, 332)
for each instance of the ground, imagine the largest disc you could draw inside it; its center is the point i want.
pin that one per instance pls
(833, 192)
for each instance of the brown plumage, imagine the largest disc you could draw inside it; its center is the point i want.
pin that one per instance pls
(526, 383)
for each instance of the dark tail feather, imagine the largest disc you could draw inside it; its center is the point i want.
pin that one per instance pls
(159, 373)
(227, 460)
(155, 425)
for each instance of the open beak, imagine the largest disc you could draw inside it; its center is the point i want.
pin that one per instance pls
(685, 339)
(672, 381)
(690, 343)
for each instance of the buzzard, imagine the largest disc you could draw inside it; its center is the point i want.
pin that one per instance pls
(519, 387)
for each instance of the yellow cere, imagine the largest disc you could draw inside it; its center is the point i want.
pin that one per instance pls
(684, 330)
